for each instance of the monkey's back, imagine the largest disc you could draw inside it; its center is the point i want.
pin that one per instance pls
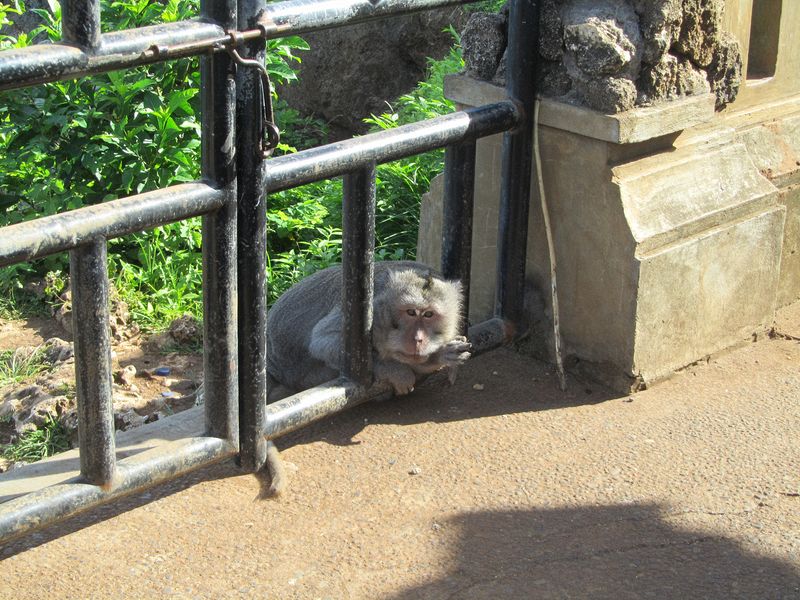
(292, 318)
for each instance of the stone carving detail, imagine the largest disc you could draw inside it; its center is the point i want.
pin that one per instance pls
(613, 55)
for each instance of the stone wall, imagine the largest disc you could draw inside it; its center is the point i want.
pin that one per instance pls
(351, 72)
(614, 55)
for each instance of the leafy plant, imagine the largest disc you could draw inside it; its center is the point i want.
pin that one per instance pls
(67, 144)
(39, 443)
(21, 364)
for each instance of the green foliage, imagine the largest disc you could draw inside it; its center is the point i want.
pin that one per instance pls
(39, 443)
(68, 144)
(17, 366)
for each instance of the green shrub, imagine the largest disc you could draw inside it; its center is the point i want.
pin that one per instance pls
(68, 144)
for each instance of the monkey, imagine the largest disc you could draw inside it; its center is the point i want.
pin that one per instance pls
(415, 332)
(416, 316)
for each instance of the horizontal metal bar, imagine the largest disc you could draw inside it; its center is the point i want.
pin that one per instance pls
(299, 16)
(32, 239)
(333, 397)
(37, 509)
(40, 63)
(324, 162)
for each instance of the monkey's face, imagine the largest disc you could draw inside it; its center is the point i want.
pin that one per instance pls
(415, 316)
(416, 332)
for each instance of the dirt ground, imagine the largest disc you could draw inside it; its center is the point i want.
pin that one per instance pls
(499, 487)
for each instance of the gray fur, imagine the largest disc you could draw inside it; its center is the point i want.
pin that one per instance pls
(304, 328)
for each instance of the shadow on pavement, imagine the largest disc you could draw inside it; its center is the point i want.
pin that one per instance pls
(595, 552)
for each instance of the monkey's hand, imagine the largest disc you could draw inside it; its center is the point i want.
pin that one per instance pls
(401, 377)
(455, 352)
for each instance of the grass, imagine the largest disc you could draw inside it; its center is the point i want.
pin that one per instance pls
(39, 443)
(19, 365)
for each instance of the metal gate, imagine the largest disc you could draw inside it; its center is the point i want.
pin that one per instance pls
(231, 196)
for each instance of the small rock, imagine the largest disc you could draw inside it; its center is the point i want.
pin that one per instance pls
(58, 350)
(415, 470)
(478, 386)
(128, 420)
(186, 330)
(126, 375)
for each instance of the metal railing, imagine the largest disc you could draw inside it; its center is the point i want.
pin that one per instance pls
(231, 197)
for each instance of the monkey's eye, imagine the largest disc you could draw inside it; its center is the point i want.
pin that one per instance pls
(411, 312)
(428, 314)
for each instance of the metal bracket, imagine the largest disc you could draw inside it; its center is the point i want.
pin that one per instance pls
(270, 134)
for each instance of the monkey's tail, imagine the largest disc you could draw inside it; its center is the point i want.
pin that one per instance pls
(277, 470)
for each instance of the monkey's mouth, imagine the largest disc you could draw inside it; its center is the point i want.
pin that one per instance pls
(411, 358)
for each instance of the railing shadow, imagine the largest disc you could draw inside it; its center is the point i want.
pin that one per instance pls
(488, 385)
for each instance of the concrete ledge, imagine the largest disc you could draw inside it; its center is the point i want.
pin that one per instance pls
(674, 196)
(65, 467)
(628, 127)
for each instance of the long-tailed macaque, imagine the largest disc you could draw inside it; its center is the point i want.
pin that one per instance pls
(416, 316)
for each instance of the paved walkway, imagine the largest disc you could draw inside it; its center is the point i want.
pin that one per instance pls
(499, 487)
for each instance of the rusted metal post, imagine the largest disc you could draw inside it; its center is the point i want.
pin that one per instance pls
(459, 194)
(80, 23)
(89, 281)
(252, 252)
(218, 96)
(523, 47)
(358, 218)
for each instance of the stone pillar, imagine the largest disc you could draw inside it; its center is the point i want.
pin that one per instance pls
(668, 236)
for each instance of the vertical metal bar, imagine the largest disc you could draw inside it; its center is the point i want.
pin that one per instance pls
(358, 224)
(218, 95)
(252, 232)
(89, 281)
(80, 23)
(459, 193)
(523, 44)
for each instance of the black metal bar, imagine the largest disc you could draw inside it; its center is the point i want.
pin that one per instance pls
(41, 63)
(523, 36)
(89, 281)
(358, 225)
(80, 23)
(459, 193)
(332, 160)
(218, 98)
(49, 505)
(299, 16)
(252, 249)
(56, 233)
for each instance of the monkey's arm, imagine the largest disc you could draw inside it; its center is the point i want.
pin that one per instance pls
(326, 339)
(401, 377)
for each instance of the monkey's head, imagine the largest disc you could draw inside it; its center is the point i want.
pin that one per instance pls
(414, 315)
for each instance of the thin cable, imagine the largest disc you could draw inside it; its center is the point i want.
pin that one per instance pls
(562, 380)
